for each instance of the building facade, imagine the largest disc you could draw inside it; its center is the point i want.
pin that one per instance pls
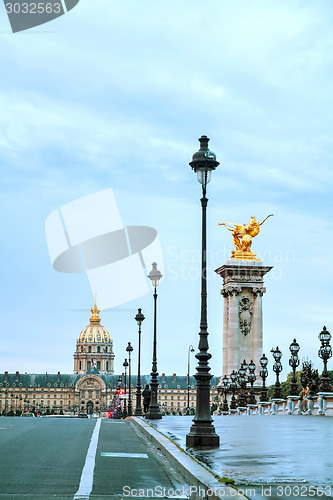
(91, 392)
(93, 385)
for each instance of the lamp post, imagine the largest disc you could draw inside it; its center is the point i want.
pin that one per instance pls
(129, 349)
(242, 384)
(6, 393)
(138, 409)
(118, 399)
(226, 386)
(154, 411)
(190, 349)
(277, 367)
(202, 433)
(263, 374)
(233, 388)
(294, 362)
(125, 365)
(325, 353)
(251, 379)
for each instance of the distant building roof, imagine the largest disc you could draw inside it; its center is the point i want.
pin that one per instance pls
(69, 380)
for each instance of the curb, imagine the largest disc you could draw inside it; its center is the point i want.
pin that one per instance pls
(204, 482)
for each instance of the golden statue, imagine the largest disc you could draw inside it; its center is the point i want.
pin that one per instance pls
(242, 237)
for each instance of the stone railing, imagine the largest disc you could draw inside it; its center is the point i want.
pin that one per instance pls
(320, 404)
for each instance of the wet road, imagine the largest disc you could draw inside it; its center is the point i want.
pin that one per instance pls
(286, 450)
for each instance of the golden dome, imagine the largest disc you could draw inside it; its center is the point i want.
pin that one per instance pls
(95, 332)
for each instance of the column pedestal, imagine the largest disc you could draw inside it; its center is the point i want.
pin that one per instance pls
(242, 325)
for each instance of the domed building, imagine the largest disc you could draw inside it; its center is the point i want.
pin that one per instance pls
(94, 347)
(93, 387)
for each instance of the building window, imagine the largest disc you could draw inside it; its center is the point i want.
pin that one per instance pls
(98, 349)
(98, 365)
(171, 397)
(89, 364)
(89, 348)
(107, 366)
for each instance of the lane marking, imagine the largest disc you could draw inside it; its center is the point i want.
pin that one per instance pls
(124, 455)
(87, 476)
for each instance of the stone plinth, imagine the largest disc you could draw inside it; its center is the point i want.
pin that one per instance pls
(242, 321)
(325, 403)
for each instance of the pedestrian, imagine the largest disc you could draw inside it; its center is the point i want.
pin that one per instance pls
(146, 393)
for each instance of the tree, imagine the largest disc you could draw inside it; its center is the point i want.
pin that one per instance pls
(285, 386)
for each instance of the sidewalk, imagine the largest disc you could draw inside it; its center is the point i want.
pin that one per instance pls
(198, 481)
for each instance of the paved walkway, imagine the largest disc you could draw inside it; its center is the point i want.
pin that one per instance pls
(269, 456)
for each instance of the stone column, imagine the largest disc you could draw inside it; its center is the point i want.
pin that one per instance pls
(226, 342)
(257, 327)
(242, 323)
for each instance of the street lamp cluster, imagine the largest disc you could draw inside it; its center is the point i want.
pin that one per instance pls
(246, 399)
(122, 400)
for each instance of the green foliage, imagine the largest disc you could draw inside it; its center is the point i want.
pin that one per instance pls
(225, 480)
(285, 386)
(213, 408)
(330, 374)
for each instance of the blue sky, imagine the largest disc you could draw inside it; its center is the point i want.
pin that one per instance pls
(115, 95)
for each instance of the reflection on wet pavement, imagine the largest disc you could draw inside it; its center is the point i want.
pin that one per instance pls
(266, 449)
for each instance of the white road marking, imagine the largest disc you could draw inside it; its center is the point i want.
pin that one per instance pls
(124, 455)
(87, 476)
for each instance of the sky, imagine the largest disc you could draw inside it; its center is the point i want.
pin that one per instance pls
(116, 95)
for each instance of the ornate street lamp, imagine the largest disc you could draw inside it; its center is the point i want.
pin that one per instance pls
(226, 387)
(251, 379)
(6, 406)
(233, 388)
(277, 367)
(129, 349)
(242, 383)
(125, 365)
(190, 349)
(154, 411)
(241, 378)
(294, 362)
(202, 433)
(263, 374)
(325, 353)
(138, 409)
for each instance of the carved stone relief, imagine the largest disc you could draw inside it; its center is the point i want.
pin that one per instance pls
(245, 314)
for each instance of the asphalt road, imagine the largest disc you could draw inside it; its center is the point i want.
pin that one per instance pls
(44, 459)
